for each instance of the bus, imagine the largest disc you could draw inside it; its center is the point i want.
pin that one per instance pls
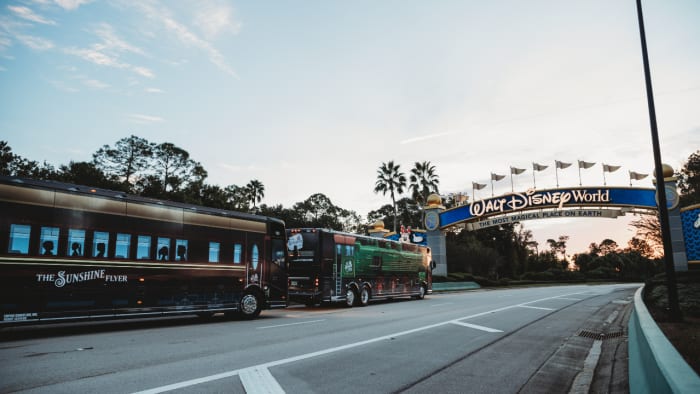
(327, 266)
(71, 253)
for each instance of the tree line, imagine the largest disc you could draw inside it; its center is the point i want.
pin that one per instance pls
(166, 171)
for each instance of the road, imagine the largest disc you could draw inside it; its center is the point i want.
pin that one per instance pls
(542, 339)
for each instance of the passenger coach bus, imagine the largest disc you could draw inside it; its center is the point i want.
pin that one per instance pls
(72, 252)
(328, 266)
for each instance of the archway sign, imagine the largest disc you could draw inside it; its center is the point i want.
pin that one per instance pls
(595, 202)
(601, 202)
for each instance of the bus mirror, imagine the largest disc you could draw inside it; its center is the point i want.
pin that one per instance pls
(433, 264)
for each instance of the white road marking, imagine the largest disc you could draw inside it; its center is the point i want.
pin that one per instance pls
(612, 317)
(582, 382)
(474, 326)
(258, 380)
(536, 307)
(291, 324)
(444, 303)
(224, 375)
(569, 299)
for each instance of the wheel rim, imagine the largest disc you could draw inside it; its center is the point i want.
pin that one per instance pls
(249, 304)
(422, 292)
(350, 297)
(364, 297)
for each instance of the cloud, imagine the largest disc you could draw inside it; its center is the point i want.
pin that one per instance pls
(36, 43)
(95, 84)
(107, 52)
(215, 19)
(71, 4)
(144, 119)
(185, 36)
(426, 137)
(153, 90)
(28, 14)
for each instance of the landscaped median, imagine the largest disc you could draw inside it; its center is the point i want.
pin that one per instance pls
(654, 364)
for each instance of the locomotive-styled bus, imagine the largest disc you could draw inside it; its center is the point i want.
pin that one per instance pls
(71, 252)
(328, 266)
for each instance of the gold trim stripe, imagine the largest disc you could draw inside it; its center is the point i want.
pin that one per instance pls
(101, 204)
(118, 264)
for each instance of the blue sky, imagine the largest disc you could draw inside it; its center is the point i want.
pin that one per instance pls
(313, 96)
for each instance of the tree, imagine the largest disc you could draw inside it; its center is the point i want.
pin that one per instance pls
(172, 167)
(86, 173)
(689, 180)
(318, 211)
(126, 160)
(390, 179)
(423, 181)
(649, 230)
(256, 191)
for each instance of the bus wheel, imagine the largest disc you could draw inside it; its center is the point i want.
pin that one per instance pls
(364, 296)
(350, 296)
(250, 306)
(421, 293)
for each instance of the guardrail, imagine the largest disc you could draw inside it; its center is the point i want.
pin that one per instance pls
(454, 286)
(655, 366)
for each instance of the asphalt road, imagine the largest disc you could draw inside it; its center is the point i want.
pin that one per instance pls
(545, 339)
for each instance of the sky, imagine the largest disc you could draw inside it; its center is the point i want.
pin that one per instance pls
(313, 96)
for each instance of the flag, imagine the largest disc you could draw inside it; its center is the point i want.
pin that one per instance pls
(496, 177)
(538, 167)
(585, 164)
(478, 186)
(610, 168)
(637, 176)
(561, 164)
(516, 171)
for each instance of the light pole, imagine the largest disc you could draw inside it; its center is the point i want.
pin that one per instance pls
(674, 308)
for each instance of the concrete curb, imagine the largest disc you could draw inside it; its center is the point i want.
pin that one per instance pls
(655, 366)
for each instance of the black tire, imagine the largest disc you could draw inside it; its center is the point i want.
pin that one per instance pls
(250, 306)
(421, 293)
(364, 297)
(350, 297)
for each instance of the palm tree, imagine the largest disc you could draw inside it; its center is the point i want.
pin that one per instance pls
(256, 191)
(390, 179)
(424, 181)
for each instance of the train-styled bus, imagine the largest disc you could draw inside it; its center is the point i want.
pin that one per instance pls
(328, 266)
(70, 252)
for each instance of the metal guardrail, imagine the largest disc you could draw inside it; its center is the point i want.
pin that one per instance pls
(655, 366)
(454, 286)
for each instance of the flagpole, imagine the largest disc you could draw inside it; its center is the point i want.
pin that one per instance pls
(630, 177)
(512, 189)
(604, 181)
(556, 172)
(579, 174)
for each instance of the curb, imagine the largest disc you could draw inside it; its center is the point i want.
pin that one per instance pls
(655, 366)
(454, 286)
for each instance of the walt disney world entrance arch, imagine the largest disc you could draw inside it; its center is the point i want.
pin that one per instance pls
(578, 202)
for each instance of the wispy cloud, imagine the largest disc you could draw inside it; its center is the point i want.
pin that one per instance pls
(71, 4)
(230, 168)
(184, 35)
(153, 90)
(27, 14)
(144, 119)
(107, 52)
(95, 84)
(36, 43)
(214, 19)
(426, 137)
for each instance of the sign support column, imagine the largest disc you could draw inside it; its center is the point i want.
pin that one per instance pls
(435, 237)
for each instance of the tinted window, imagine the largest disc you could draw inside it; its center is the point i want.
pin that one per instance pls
(214, 248)
(143, 247)
(99, 244)
(123, 243)
(19, 238)
(76, 242)
(49, 241)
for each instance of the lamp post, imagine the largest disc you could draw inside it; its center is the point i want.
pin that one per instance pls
(674, 308)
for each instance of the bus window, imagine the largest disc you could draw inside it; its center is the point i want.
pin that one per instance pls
(163, 247)
(76, 242)
(123, 243)
(99, 244)
(143, 247)
(214, 248)
(278, 252)
(19, 238)
(181, 250)
(48, 241)
(349, 250)
(254, 256)
(237, 253)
